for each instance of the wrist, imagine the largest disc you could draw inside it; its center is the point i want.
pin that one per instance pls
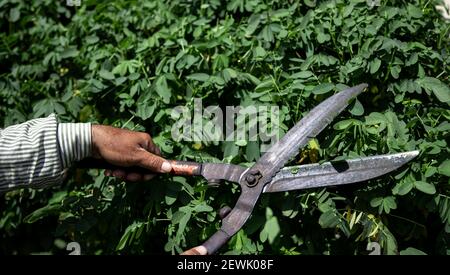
(96, 136)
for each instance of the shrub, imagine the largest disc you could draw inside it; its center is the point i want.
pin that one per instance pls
(129, 63)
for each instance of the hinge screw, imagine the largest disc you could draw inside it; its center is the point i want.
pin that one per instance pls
(252, 178)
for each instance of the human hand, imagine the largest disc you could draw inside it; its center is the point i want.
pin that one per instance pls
(199, 250)
(124, 148)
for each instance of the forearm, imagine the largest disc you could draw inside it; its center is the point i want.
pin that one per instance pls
(35, 153)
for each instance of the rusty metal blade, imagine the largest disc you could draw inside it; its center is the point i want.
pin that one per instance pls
(308, 127)
(273, 160)
(337, 173)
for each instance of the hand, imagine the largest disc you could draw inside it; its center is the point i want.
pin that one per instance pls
(125, 148)
(199, 250)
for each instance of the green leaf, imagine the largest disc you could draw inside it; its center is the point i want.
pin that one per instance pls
(253, 23)
(252, 151)
(92, 39)
(425, 187)
(404, 187)
(444, 168)
(106, 75)
(264, 86)
(310, 3)
(375, 202)
(57, 197)
(229, 74)
(259, 52)
(302, 74)
(329, 219)
(14, 14)
(145, 110)
(69, 52)
(323, 37)
(439, 89)
(120, 69)
(241, 142)
(130, 234)
(42, 212)
(171, 197)
(388, 204)
(357, 108)
(123, 240)
(120, 80)
(323, 88)
(344, 124)
(183, 222)
(202, 77)
(395, 71)
(163, 89)
(375, 65)
(271, 228)
(412, 251)
(202, 207)
(414, 11)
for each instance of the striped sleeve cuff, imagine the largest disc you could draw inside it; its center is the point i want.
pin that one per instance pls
(75, 142)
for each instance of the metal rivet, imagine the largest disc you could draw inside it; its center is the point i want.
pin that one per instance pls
(224, 211)
(250, 179)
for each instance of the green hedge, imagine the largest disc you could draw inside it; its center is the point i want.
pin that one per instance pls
(129, 63)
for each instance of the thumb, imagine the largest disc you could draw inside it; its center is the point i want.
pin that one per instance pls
(154, 163)
(199, 250)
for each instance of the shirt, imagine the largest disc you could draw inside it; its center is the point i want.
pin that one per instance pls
(36, 153)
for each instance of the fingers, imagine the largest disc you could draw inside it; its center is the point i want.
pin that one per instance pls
(154, 163)
(152, 148)
(148, 144)
(119, 173)
(126, 150)
(199, 250)
(149, 177)
(133, 177)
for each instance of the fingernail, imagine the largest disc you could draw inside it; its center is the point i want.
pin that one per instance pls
(202, 250)
(166, 167)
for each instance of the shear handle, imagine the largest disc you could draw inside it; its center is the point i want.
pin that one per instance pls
(181, 168)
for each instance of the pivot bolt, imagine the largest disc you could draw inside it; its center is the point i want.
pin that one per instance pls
(252, 178)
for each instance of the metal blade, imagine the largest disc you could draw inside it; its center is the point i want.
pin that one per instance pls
(337, 173)
(308, 127)
(252, 181)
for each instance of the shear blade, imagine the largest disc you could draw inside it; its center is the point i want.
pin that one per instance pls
(337, 173)
(299, 135)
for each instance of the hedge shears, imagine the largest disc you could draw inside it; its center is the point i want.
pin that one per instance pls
(268, 175)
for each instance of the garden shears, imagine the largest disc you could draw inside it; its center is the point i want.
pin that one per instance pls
(268, 175)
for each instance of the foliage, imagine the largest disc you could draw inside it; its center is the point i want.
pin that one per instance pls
(129, 63)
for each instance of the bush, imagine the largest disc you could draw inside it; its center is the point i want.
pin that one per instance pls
(129, 63)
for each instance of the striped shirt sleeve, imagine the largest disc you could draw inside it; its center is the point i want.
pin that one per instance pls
(35, 153)
(74, 142)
